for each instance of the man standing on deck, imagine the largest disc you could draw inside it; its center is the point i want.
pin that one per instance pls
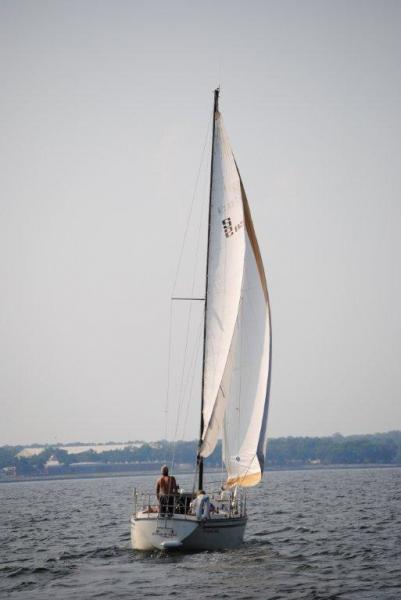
(166, 488)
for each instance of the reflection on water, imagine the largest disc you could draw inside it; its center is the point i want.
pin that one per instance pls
(311, 534)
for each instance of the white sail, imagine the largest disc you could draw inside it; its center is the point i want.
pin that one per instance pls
(238, 332)
(225, 271)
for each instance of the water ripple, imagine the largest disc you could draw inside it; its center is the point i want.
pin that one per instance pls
(312, 535)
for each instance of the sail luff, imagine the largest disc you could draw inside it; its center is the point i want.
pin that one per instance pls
(226, 261)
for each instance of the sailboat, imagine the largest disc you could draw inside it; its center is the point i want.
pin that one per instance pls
(236, 374)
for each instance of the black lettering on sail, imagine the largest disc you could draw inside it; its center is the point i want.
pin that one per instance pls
(228, 228)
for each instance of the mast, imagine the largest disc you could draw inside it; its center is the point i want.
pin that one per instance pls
(199, 457)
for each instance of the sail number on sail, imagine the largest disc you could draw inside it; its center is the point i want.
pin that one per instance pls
(229, 230)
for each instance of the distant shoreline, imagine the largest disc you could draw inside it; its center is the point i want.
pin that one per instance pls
(42, 478)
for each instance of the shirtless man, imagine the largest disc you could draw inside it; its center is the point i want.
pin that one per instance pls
(166, 488)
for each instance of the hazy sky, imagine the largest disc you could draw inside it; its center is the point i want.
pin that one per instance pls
(104, 109)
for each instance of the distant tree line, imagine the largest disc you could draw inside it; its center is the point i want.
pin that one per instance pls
(382, 448)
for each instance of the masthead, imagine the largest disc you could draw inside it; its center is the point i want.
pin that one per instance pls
(216, 99)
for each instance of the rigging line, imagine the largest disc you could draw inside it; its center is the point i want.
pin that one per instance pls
(213, 482)
(166, 407)
(182, 384)
(192, 369)
(180, 393)
(191, 207)
(184, 242)
(247, 469)
(195, 359)
(189, 380)
(181, 389)
(189, 383)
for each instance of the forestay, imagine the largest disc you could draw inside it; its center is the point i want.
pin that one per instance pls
(238, 332)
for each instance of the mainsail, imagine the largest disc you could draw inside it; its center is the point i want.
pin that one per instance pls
(237, 354)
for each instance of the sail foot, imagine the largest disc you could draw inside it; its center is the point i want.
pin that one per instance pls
(247, 480)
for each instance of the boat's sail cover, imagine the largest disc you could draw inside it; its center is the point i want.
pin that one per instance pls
(238, 332)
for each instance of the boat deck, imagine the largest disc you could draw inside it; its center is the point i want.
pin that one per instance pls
(220, 506)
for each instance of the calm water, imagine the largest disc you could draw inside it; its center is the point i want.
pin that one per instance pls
(315, 535)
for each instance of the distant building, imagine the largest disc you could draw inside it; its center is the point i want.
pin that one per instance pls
(52, 462)
(28, 452)
(9, 471)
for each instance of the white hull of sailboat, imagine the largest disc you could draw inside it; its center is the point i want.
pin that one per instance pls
(186, 533)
